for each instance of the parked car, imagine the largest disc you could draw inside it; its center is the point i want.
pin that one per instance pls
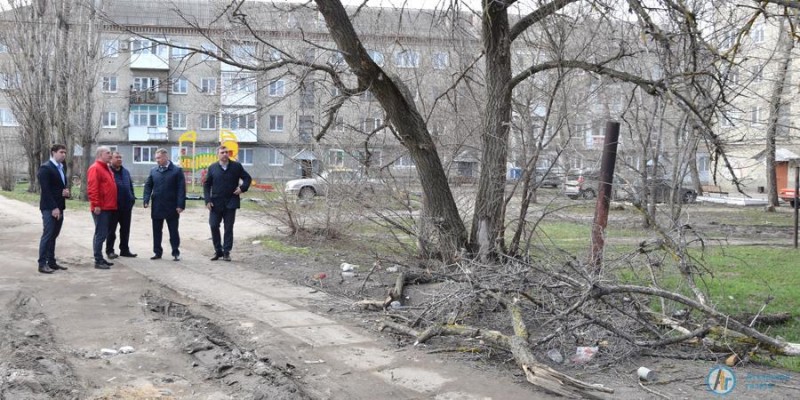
(581, 184)
(551, 177)
(661, 189)
(787, 195)
(342, 182)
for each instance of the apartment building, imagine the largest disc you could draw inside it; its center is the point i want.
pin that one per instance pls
(756, 47)
(153, 88)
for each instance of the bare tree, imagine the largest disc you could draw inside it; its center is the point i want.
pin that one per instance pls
(52, 48)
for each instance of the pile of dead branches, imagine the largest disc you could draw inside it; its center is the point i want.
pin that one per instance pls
(559, 304)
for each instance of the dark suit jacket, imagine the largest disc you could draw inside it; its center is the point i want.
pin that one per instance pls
(166, 191)
(220, 184)
(51, 185)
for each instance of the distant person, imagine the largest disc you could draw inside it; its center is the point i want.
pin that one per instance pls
(52, 177)
(122, 217)
(102, 191)
(166, 188)
(224, 182)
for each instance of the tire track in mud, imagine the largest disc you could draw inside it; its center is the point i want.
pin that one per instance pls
(245, 373)
(32, 366)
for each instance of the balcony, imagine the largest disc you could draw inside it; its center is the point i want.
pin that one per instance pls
(149, 61)
(148, 134)
(148, 96)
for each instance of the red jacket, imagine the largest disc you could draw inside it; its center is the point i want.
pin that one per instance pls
(102, 189)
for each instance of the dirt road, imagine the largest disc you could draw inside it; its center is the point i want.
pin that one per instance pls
(199, 329)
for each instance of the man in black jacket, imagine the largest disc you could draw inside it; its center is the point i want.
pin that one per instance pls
(166, 188)
(125, 201)
(52, 178)
(225, 181)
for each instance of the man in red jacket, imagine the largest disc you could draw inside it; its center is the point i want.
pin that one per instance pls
(102, 191)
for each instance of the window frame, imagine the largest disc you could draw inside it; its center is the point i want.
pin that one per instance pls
(208, 85)
(205, 122)
(108, 82)
(276, 88)
(151, 154)
(273, 155)
(106, 119)
(245, 152)
(273, 122)
(182, 83)
(183, 118)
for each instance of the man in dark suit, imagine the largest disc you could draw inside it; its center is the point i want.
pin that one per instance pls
(52, 178)
(166, 188)
(122, 217)
(224, 182)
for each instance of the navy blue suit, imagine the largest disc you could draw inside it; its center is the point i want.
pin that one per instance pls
(52, 186)
(166, 190)
(125, 200)
(218, 190)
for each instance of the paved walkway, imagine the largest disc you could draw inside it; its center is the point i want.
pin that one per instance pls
(342, 361)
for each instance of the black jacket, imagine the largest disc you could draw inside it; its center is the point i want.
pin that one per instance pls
(125, 195)
(167, 190)
(52, 186)
(220, 184)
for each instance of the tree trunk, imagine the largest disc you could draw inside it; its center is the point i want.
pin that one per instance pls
(487, 223)
(774, 114)
(438, 202)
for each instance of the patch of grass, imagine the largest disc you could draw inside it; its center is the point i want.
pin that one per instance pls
(282, 247)
(21, 193)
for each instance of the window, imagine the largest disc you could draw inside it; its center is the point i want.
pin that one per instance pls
(758, 73)
(180, 86)
(728, 39)
(144, 154)
(405, 161)
(275, 55)
(245, 156)
(7, 117)
(376, 56)
(757, 33)
(210, 48)
(9, 81)
(406, 59)
(310, 55)
(335, 158)
(339, 126)
(368, 159)
(111, 48)
(110, 84)
(238, 121)
(109, 119)
(371, 124)
(178, 120)
(149, 115)
(208, 85)
(144, 46)
(581, 131)
(3, 48)
(244, 53)
(178, 52)
(208, 121)
(755, 115)
(274, 157)
(440, 60)
(141, 83)
(307, 95)
(238, 82)
(335, 91)
(733, 76)
(277, 88)
(305, 127)
(367, 95)
(336, 59)
(276, 123)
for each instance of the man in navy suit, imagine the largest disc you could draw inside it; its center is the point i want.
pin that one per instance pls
(166, 188)
(52, 178)
(225, 181)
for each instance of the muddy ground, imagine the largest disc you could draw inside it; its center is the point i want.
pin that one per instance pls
(61, 336)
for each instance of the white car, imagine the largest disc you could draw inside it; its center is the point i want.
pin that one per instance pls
(346, 181)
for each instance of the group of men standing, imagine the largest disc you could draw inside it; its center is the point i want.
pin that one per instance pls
(111, 200)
